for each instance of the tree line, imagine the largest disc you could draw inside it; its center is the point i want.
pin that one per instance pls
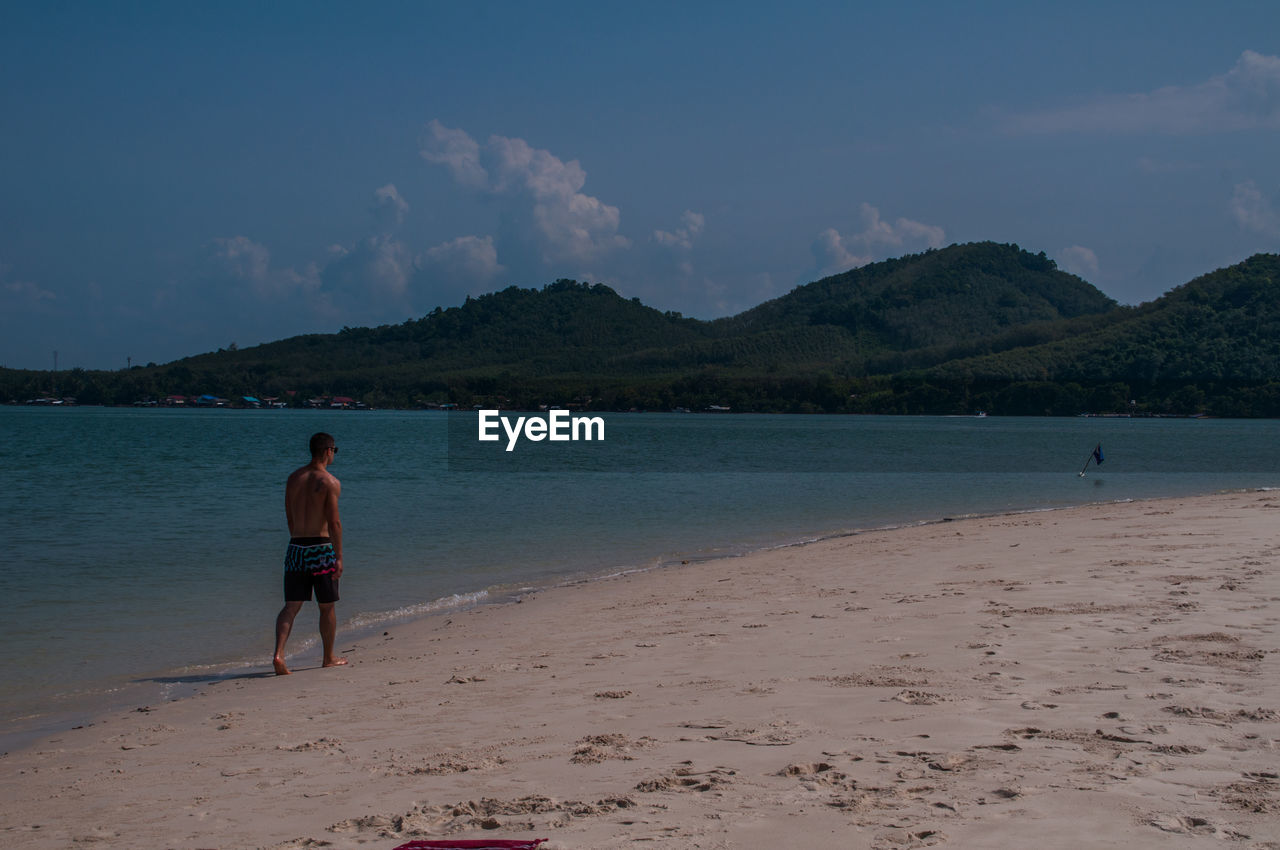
(978, 327)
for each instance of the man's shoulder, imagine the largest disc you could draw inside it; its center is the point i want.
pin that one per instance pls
(312, 475)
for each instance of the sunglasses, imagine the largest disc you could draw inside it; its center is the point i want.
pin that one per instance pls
(334, 449)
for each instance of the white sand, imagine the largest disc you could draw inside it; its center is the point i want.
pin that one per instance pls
(1103, 676)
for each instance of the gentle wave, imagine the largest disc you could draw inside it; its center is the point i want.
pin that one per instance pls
(454, 602)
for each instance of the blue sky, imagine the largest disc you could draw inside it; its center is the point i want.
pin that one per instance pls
(177, 177)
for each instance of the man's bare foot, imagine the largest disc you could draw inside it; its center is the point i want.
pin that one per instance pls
(281, 670)
(334, 662)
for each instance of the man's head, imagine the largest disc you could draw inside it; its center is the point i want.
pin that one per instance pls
(321, 443)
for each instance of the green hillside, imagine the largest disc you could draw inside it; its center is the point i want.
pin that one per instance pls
(1222, 326)
(1215, 338)
(564, 326)
(939, 298)
(917, 310)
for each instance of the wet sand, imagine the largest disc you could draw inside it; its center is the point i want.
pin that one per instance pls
(1099, 676)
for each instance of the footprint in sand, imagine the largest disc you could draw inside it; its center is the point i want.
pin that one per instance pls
(594, 749)
(1184, 825)
(323, 745)
(817, 775)
(685, 778)
(612, 694)
(778, 734)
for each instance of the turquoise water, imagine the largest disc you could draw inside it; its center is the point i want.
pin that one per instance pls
(144, 546)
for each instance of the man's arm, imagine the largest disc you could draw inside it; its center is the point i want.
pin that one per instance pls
(334, 522)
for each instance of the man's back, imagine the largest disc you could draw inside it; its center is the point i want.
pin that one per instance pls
(310, 500)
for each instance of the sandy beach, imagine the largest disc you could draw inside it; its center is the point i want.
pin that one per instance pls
(1097, 676)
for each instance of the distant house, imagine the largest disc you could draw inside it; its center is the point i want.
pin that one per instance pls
(341, 402)
(207, 400)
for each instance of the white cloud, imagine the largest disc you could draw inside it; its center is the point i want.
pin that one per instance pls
(242, 257)
(835, 253)
(833, 256)
(692, 224)
(1253, 211)
(470, 260)
(455, 150)
(249, 262)
(375, 272)
(519, 165)
(1245, 97)
(569, 226)
(375, 279)
(579, 229)
(908, 232)
(902, 233)
(28, 292)
(389, 208)
(1078, 260)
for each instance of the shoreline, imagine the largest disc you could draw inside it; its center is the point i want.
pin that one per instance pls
(1104, 671)
(177, 684)
(182, 683)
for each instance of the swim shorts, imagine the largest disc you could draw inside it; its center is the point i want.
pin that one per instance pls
(310, 562)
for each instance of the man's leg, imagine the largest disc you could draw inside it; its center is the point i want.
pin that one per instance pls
(284, 625)
(328, 633)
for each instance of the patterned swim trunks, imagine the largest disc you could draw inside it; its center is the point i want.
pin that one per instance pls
(310, 563)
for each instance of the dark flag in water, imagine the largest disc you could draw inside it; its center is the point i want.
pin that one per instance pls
(1095, 456)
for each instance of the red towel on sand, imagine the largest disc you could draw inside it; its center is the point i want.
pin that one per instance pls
(482, 844)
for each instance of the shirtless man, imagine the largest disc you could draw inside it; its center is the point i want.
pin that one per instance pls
(314, 556)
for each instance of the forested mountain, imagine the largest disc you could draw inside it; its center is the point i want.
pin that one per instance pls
(1222, 326)
(939, 298)
(917, 310)
(566, 326)
(977, 326)
(1215, 338)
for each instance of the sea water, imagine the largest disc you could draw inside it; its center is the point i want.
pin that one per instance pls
(143, 547)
